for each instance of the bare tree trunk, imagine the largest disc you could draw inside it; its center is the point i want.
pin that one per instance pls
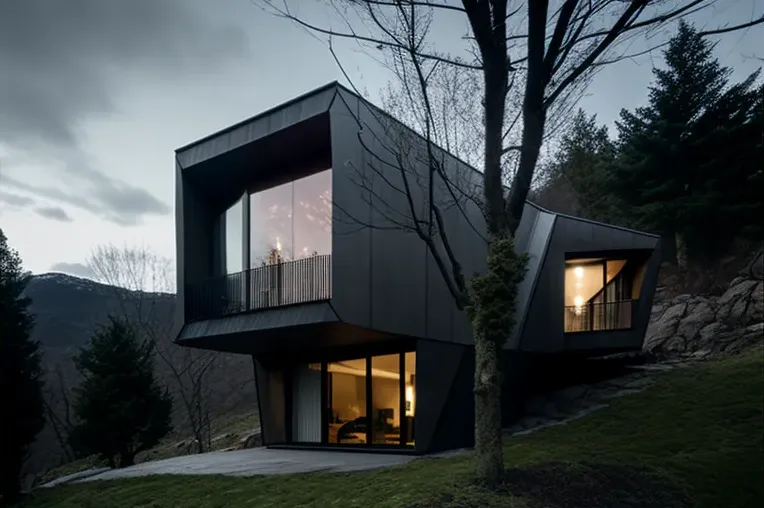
(489, 458)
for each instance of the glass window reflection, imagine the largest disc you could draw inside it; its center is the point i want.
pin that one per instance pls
(291, 221)
(270, 224)
(233, 248)
(312, 215)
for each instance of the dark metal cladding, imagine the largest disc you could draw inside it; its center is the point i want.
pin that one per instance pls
(378, 291)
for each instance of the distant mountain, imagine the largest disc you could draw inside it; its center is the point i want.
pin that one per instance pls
(68, 309)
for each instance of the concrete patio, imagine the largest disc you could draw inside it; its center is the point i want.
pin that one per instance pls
(252, 462)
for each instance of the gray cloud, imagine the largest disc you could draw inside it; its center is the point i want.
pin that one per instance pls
(114, 201)
(15, 200)
(53, 212)
(78, 269)
(62, 62)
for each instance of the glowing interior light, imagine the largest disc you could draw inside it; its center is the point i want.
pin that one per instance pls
(278, 244)
(409, 400)
(578, 301)
(579, 271)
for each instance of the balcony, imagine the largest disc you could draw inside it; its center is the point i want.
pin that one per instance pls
(276, 285)
(591, 317)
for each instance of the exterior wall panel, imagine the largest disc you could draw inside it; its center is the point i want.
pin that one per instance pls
(437, 366)
(533, 236)
(455, 426)
(351, 241)
(194, 240)
(406, 292)
(271, 397)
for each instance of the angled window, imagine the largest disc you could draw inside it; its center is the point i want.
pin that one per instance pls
(599, 293)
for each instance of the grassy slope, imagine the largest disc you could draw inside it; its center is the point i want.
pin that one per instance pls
(701, 427)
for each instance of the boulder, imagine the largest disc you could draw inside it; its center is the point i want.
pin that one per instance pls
(674, 345)
(697, 317)
(708, 333)
(734, 301)
(664, 327)
(699, 327)
(756, 307)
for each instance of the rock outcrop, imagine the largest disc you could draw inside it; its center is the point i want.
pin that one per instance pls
(703, 326)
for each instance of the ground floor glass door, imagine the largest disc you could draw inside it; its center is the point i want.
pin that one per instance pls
(347, 401)
(360, 401)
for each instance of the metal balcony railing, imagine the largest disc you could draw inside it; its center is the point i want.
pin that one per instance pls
(591, 317)
(285, 283)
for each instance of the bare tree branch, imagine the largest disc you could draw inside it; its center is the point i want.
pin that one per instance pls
(734, 28)
(379, 43)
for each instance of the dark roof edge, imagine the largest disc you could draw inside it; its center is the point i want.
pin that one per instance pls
(581, 219)
(263, 114)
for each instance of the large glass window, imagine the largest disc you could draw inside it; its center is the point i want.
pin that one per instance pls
(270, 225)
(312, 215)
(582, 283)
(291, 221)
(347, 401)
(597, 294)
(368, 401)
(234, 246)
(386, 399)
(410, 401)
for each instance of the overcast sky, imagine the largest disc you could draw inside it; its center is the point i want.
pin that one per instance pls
(95, 96)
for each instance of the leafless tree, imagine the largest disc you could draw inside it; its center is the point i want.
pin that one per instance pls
(143, 283)
(58, 409)
(521, 61)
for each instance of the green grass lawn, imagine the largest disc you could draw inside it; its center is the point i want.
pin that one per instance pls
(699, 428)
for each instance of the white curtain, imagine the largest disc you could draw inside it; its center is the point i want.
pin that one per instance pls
(306, 406)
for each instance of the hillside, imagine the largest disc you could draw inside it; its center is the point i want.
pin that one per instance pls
(693, 438)
(68, 309)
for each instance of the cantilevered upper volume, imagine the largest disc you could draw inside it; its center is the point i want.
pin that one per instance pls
(300, 241)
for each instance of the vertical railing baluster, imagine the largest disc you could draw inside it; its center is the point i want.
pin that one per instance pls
(286, 283)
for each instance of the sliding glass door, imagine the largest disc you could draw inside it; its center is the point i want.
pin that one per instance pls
(367, 401)
(346, 386)
(386, 399)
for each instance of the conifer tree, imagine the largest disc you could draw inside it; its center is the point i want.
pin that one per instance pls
(688, 161)
(21, 408)
(122, 409)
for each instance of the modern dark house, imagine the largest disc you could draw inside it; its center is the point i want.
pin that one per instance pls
(294, 246)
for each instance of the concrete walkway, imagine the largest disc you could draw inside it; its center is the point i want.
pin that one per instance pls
(252, 462)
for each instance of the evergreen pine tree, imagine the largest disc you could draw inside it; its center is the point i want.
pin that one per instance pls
(122, 409)
(582, 162)
(686, 159)
(21, 382)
